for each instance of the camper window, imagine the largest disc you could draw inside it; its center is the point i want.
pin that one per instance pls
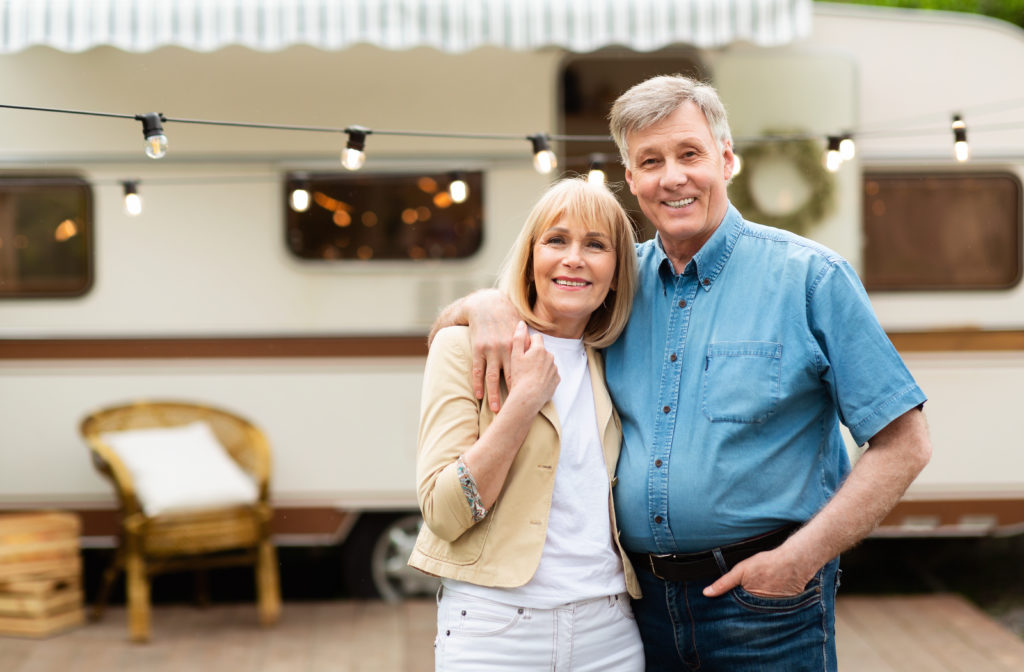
(941, 230)
(45, 236)
(407, 216)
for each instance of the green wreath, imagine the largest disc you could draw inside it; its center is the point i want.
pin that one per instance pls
(806, 156)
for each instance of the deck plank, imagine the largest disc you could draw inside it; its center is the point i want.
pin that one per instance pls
(937, 633)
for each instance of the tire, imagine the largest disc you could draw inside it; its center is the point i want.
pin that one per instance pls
(376, 553)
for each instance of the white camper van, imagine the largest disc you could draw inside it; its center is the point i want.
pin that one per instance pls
(309, 316)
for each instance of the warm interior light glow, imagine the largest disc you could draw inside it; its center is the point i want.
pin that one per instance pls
(65, 231)
(737, 164)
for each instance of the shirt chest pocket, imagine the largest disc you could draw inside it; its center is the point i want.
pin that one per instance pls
(742, 381)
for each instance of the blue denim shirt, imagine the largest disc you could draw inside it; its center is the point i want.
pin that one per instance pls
(732, 380)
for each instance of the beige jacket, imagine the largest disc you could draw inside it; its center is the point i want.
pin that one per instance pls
(504, 548)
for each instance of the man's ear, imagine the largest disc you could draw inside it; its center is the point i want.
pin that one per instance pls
(728, 161)
(629, 181)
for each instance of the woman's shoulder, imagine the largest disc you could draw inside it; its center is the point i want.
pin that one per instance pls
(451, 337)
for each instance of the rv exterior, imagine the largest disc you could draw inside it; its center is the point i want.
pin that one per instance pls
(211, 294)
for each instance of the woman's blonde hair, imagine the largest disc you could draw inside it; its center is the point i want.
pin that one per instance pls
(597, 207)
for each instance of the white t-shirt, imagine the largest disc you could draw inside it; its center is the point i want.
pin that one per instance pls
(579, 560)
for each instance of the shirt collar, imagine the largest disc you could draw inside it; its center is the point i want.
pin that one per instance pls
(711, 257)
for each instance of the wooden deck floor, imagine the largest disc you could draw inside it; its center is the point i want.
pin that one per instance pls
(934, 633)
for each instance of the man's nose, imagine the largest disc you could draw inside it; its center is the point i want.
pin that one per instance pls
(674, 174)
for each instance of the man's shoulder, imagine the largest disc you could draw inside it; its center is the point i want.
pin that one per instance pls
(762, 235)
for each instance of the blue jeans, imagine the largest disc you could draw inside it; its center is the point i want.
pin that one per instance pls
(739, 632)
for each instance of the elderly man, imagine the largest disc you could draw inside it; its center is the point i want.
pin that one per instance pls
(746, 349)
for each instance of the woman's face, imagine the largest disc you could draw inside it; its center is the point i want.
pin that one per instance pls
(573, 269)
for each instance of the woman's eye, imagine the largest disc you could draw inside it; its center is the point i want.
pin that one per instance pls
(596, 244)
(555, 240)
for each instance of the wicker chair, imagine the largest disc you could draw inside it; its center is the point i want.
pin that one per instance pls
(194, 540)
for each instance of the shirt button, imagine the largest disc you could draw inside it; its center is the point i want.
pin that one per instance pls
(657, 519)
(672, 357)
(657, 463)
(667, 409)
(707, 281)
(682, 304)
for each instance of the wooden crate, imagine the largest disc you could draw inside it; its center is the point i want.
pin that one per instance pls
(40, 574)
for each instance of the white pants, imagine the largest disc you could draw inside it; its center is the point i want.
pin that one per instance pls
(478, 635)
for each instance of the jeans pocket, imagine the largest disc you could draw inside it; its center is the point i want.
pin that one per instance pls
(479, 618)
(742, 381)
(779, 605)
(625, 606)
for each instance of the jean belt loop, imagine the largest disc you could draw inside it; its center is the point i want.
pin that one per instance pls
(723, 566)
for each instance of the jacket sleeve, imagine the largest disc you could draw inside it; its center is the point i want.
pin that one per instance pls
(449, 426)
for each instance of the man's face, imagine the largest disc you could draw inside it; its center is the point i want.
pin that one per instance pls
(679, 176)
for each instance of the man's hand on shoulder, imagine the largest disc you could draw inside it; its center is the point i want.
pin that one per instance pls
(492, 320)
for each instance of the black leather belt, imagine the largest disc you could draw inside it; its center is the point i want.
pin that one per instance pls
(702, 565)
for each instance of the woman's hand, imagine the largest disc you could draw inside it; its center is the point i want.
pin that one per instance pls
(534, 375)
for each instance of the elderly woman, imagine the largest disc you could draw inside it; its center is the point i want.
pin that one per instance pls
(518, 503)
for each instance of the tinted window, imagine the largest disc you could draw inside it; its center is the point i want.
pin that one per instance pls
(410, 216)
(45, 236)
(941, 231)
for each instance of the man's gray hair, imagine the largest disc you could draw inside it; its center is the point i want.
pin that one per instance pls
(650, 101)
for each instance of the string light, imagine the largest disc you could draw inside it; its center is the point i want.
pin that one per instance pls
(153, 132)
(353, 157)
(132, 200)
(833, 158)
(847, 148)
(960, 138)
(458, 189)
(544, 160)
(596, 173)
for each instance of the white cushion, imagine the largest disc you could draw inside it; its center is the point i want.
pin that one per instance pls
(178, 469)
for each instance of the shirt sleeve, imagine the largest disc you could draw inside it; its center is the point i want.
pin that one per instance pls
(870, 384)
(449, 426)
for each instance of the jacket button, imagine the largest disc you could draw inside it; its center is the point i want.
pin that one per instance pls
(682, 304)
(657, 519)
(657, 463)
(672, 357)
(667, 409)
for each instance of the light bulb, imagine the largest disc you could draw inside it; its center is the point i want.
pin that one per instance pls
(596, 173)
(847, 149)
(153, 132)
(353, 159)
(960, 138)
(833, 158)
(300, 200)
(156, 146)
(544, 160)
(458, 190)
(132, 200)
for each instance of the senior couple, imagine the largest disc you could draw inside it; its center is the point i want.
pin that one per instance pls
(722, 357)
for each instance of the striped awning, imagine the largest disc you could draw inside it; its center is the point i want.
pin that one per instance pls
(447, 25)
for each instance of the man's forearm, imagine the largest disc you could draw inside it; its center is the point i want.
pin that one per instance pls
(454, 314)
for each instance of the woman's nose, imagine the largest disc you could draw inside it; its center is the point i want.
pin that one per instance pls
(573, 255)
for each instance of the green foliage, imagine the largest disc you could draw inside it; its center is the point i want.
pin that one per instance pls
(1007, 10)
